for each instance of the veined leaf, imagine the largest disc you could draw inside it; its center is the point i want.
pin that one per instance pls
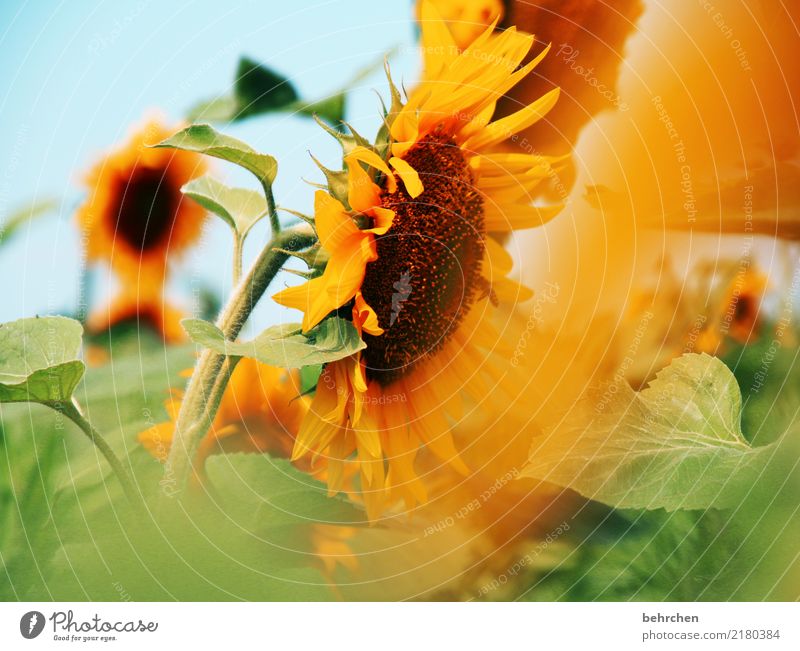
(204, 139)
(284, 345)
(675, 445)
(39, 359)
(241, 209)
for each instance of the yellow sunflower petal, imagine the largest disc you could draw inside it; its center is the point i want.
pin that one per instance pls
(367, 437)
(302, 298)
(332, 220)
(383, 218)
(479, 121)
(401, 451)
(409, 176)
(405, 130)
(358, 376)
(372, 159)
(500, 218)
(345, 272)
(510, 291)
(431, 425)
(439, 48)
(497, 260)
(313, 427)
(365, 317)
(338, 284)
(506, 127)
(468, 87)
(466, 20)
(362, 193)
(497, 87)
(340, 449)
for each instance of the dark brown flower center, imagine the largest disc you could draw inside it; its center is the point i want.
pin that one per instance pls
(744, 309)
(146, 206)
(428, 269)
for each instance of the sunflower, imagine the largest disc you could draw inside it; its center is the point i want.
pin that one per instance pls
(416, 258)
(259, 412)
(135, 219)
(737, 312)
(140, 304)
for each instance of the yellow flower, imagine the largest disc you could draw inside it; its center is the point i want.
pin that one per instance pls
(140, 304)
(416, 258)
(737, 312)
(698, 309)
(259, 412)
(136, 219)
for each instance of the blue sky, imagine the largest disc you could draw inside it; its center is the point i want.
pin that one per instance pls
(76, 80)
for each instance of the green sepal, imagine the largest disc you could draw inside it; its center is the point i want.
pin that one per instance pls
(337, 182)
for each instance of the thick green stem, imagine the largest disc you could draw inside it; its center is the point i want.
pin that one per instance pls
(71, 411)
(212, 372)
(238, 241)
(273, 210)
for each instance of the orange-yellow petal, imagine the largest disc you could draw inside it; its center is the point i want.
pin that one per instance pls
(364, 317)
(362, 193)
(382, 219)
(332, 220)
(372, 159)
(409, 176)
(506, 127)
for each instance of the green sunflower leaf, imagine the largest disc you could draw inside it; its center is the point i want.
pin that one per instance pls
(273, 492)
(284, 345)
(241, 209)
(677, 444)
(331, 109)
(259, 89)
(29, 213)
(204, 139)
(216, 109)
(39, 359)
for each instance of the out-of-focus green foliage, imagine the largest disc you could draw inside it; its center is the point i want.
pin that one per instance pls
(68, 532)
(249, 531)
